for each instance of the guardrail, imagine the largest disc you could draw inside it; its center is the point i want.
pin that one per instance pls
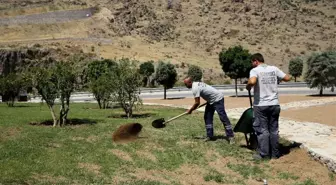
(220, 87)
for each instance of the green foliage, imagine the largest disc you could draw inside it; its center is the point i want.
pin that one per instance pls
(100, 75)
(166, 75)
(126, 82)
(11, 85)
(236, 63)
(147, 69)
(55, 81)
(295, 67)
(321, 71)
(44, 80)
(195, 72)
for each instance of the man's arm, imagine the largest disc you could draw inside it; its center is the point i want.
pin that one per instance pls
(196, 104)
(286, 78)
(251, 82)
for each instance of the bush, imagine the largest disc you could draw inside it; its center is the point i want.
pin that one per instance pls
(195, 72)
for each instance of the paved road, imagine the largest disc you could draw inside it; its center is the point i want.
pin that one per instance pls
(48, 18)
(88, 97)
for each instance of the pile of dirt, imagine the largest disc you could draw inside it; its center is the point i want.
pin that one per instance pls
(127, 132)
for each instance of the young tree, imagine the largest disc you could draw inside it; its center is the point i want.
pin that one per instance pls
(166, 75)
(66, 82)
(236, 63)
(100, 77)
(44, 81)
(147, 69)
(127, 82)
(10, 87)
(195, 72)
(321, 71)
(295, 67)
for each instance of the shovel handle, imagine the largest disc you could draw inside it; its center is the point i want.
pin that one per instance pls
(171, 119)
(249, 92)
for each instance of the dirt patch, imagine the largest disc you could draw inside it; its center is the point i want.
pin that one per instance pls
(147, 155)
(232, 102)
(48, 178)
(9, 133)
(325, 114)
(93, 168)
(301, 165)
(121, 154)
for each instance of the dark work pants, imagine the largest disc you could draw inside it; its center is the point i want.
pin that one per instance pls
(266, 126)
(208, 118)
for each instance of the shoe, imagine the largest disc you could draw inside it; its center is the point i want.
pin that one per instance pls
(258, 157)
(232, 140)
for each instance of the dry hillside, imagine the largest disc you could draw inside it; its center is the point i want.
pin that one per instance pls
(188, 31)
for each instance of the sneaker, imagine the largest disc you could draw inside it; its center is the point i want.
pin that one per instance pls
(232, 141)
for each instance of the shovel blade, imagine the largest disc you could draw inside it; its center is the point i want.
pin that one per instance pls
(159, 123)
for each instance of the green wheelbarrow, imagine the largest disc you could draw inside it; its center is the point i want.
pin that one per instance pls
(245, 125)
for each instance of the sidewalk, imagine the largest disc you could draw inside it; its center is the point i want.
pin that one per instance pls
(318, 139)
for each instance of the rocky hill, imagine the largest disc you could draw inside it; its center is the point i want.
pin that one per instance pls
(195, 31)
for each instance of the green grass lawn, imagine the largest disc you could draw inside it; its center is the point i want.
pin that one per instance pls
(84, 153)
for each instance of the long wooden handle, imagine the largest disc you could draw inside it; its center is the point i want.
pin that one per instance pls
(249, 92)
(171, 119)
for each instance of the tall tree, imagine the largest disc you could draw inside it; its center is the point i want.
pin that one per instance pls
(295, 67)
(321, 71)
(236, 63)
(166, 75)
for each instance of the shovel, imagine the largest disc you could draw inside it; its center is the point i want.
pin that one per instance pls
(245, 124)
(161, 123)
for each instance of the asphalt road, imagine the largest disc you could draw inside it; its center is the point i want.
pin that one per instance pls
(48, 18)
(88, 97)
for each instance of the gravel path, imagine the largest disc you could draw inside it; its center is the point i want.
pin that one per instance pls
(318, 139)
(48, 18)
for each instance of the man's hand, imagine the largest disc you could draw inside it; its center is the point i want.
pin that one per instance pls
(248, 87)
(251, 82)
(189, 111)
(196, 104)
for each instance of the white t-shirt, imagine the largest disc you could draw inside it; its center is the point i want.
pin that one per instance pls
(207, 92)
(266, 89)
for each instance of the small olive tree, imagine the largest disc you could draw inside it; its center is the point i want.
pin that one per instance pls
(127, 83)
(55, 81)
(100, 75)
(44, 81)
(321, 71)
(295, 67)
(166, 75)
